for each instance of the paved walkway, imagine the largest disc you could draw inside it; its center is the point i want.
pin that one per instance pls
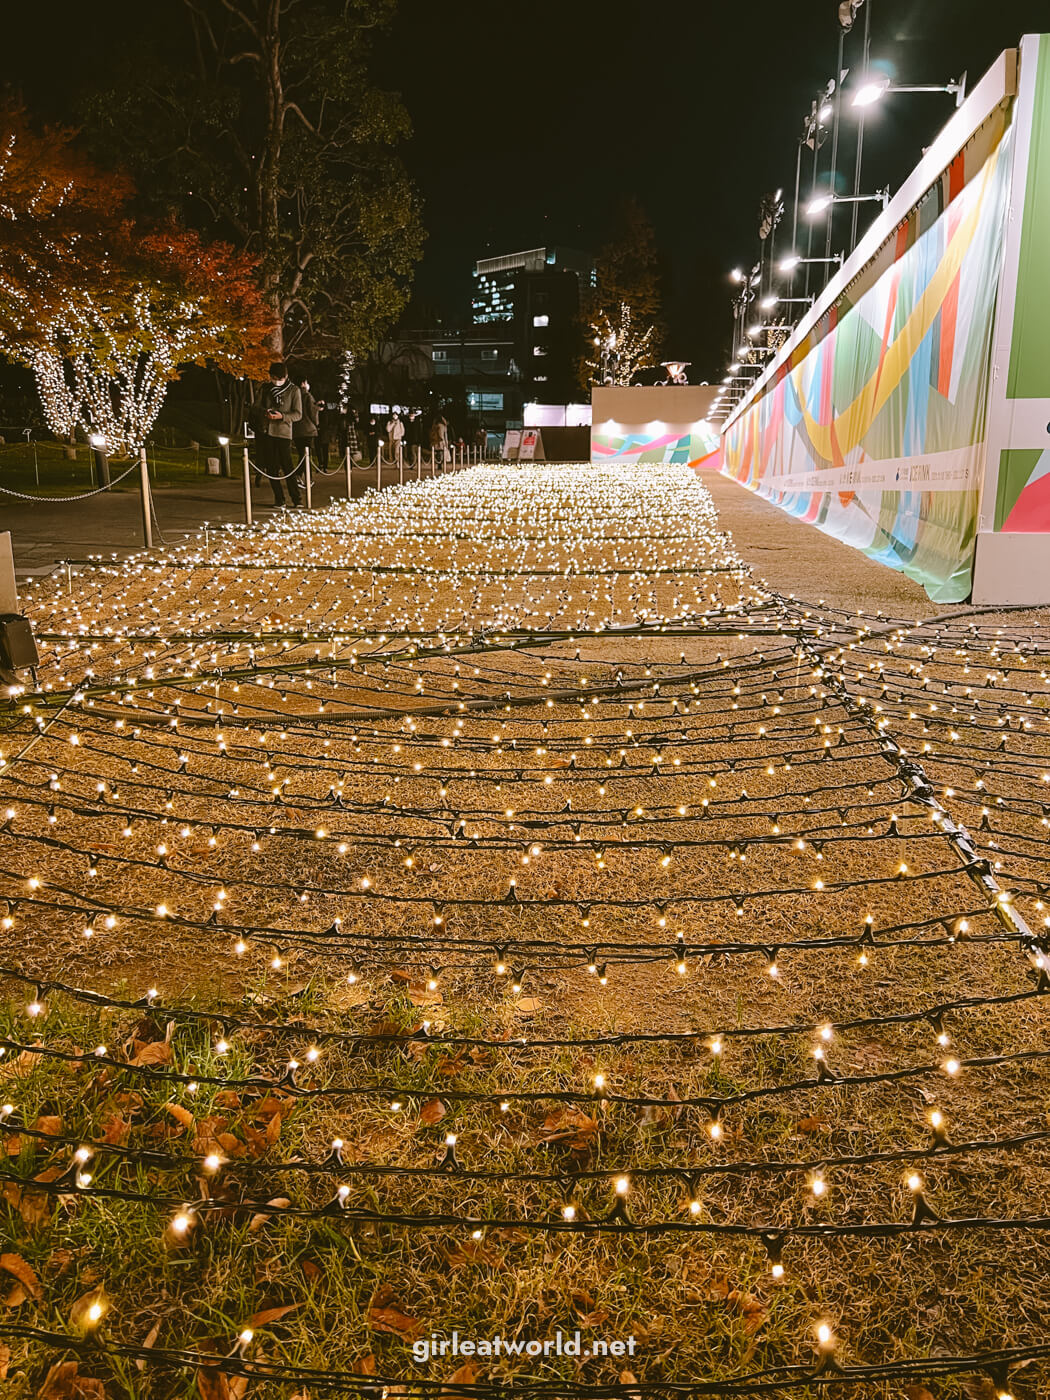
(111, 523)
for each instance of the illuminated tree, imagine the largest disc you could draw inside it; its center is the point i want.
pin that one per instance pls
(151, 304)
(103, 310)
(619, 349)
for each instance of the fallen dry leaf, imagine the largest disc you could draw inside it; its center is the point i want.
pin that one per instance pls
(148, 1340)
(432, 1112)
(49, 1123)
(115, 1130)
(569, 1126)
(33, 1205)
(262, 1217)
(385, 1316)
(19, 1269)
(157, 1052)
(64, 1382)
(812, 1123)
(180, 1114)
(78, 1313)
(915, 1391)
(462, 1375)
(268, 1315)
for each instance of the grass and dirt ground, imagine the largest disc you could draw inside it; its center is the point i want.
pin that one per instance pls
(515, 834)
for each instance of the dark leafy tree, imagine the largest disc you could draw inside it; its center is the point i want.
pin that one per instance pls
(278, 140)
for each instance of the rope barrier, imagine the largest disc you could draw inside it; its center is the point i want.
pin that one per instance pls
(83, 496)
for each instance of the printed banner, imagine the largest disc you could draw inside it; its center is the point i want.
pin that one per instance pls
(874, 432)
(678, 444)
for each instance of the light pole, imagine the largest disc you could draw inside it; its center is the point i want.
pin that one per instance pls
(98, 447)
(224, 443)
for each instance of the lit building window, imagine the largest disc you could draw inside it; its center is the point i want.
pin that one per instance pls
(541, 320)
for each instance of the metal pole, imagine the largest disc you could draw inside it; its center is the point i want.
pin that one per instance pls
(101, 461)
(379, 467)
(224, 447)
(247, 489)
(419, 463)
(306, 479)
(400, 464)
(349, 483)
(860, 130)
(835, 142)
(147, 518)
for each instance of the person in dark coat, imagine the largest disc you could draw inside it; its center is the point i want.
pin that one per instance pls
(278, 407)
(306, 431)
(372, 437)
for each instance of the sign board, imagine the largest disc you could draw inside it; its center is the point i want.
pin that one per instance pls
(511, 444)
(531, 445)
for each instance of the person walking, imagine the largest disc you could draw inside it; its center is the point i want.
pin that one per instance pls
(395, 434)
(278, 407)
(305, 432)
(439, 439)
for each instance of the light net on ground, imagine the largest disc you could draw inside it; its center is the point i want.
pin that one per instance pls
(486, 907)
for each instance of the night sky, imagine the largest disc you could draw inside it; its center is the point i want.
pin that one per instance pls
(533, 117)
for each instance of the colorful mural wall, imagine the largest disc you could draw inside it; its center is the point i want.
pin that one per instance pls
(873, 430)
(1021, 472)
(690, 444)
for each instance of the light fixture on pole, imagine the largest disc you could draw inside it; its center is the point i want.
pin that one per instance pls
(98, 447)
(767, 303)
(874, 86)
(794, 260)
(224, 444)
(823, 202)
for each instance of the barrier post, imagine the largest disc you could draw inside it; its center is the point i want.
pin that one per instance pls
(306, 480)
(349, 468)
(247, 490)
(147, 516)
(379, 467)
(419, 462)
(400, 464)
(101, 459)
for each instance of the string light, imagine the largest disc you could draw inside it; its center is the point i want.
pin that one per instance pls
(426, 783)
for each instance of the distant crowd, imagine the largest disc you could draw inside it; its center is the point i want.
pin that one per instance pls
(287, 419)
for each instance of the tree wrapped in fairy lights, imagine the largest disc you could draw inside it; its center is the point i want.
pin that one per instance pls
(621, 349)
(103, 310)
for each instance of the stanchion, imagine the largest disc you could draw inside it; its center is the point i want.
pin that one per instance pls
(147, 512)
(306, 480)
(400, 464)
(349, 481)
(379, 467)
(101, 459)
(247, 489)
(419, 462)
